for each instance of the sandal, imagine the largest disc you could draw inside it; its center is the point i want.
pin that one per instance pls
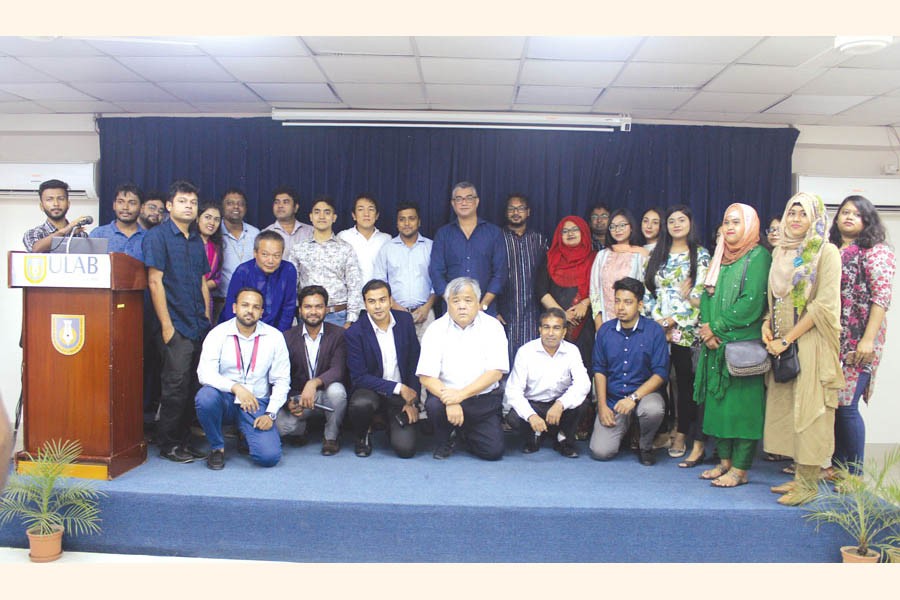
(691, 463)
(789, 470)
(733, 477)
(715, 472)
(677, 452)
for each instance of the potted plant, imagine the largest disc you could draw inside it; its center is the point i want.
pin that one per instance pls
(862, 505)
(47, 504)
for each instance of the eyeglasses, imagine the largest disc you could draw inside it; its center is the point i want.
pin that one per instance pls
(771, 230)
(600, 217)
(568, 230)
(465, 199)
(516, 209)
(619, 226)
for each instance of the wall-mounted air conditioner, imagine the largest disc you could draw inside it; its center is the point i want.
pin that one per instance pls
(883, 192)
(23, 179)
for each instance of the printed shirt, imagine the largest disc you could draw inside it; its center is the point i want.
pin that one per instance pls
(333, 265)
(519, 303)
(406, 269)
(35, 234)
(668, 301)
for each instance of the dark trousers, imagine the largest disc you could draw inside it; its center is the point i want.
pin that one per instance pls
(363, 406)
(690, 415)
(567, 422)
(850, 430)
(179, 384)
(481, 423)
(152, 361)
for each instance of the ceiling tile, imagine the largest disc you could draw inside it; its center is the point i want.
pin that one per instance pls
(551, 108)
(816, 105)
(863, 82)
(785, 119)
(545, 94)
(45, 46)
(582, 48)
(474, 96)
(730, 103)
(761, 80)
(471, 47)
(629, 99)
(273, 70)
(184, 68)
(14, 71)
(44, 91)
(81, 107)
(713, 116)
(383, 95)
(694, 49)
(571, 73)
(642, 113)
(370, 69)
(124, 92)
(665, 75)
(860, 120)
(4, 97)
(253, 46)
(210, 92)
(236, 107)
(886, 109)
(329, 105)
(469, 71)
(146, 46)
(787, 51)
(157, 107)
(889, 58)
(16, 108)
(83, 68)
(468, 106)
(294, 92)
(359, 45)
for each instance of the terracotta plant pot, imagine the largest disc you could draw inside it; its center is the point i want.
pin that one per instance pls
(850, 555)
(45, 548)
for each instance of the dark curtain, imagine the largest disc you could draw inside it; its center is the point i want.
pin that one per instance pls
(563, 172)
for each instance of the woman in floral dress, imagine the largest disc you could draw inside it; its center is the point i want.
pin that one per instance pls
(866, 273)
(674, 281)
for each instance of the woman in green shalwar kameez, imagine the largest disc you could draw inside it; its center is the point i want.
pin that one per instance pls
(732, 309)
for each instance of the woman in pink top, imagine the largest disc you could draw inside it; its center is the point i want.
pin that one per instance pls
(624, 257)
(208, 224)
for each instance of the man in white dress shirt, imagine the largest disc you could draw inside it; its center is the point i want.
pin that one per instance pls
(365, 237)
(547, 387)
(240, 359)
(463, 358)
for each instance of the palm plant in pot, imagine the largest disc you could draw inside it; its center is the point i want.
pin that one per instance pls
(862, 505)
(48, 504)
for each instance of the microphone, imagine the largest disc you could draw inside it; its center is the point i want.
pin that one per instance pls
(84, 221)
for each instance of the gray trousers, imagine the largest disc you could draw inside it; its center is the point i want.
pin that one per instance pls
(335, 396)
(605, 441)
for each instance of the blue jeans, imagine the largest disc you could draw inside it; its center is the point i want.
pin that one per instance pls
(214, 408)
(850, 431)
(337, 318)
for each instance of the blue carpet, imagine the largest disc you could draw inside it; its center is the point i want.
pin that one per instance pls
(524, 508)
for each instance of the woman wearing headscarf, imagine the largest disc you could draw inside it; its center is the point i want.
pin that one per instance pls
(804, 307)
(731, 309)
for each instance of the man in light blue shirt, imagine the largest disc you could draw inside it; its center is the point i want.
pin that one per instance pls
(237, 243)
(124, 233)
(403, 263)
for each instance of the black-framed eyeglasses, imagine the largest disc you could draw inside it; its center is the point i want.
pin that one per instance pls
(568, 230)
(464, 199)
(619, 226)
(516, 209)
(771, 230)
(600, 217)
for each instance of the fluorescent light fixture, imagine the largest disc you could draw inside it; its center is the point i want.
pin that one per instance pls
(862, 44)
(452, 119)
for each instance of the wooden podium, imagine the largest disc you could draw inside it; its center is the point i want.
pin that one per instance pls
(82, 342)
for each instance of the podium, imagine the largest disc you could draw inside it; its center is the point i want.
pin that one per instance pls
(82, 343)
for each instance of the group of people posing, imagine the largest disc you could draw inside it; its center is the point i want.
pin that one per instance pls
(313, 323)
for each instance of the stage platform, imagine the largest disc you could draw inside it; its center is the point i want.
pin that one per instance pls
(525, 508)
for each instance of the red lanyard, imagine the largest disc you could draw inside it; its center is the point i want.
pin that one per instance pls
(239, 358)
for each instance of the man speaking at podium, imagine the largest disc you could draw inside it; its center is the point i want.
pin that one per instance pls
(54, 195)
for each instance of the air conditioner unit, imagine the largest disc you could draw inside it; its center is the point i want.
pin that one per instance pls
(24, 179)
(883, 192)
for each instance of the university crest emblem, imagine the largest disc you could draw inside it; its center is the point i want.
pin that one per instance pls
(67, 333)
(35, 268)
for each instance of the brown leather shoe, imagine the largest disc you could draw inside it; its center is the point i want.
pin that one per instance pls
(330, 447)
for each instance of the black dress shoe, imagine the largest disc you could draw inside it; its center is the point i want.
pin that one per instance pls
(647, 458)
(566, 448)
(364, 446)
(330, 447)
(445, 450)
(216, 460)
(177, 454)
(532, 444)
(195, 452)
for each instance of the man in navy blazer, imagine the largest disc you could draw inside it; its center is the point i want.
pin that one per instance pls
(382, 353)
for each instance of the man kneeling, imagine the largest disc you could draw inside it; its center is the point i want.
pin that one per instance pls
(240, 358)
(547, 387)
(631, 362)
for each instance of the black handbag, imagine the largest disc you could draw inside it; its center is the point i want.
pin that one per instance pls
(786, 366)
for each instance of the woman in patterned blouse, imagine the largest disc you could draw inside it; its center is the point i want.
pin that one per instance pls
(867, 269)
(674, 281)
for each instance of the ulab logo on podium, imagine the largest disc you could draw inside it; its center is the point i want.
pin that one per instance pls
(35, 269)
(67, 333)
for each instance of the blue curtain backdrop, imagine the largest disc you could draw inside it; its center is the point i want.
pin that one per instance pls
(563, 172)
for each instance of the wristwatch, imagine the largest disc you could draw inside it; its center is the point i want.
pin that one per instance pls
(784, 342)
(634, 397)
(271, 416)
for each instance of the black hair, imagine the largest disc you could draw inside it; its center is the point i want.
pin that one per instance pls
(763, 236)
(249, 289)
(153, 195)
(235, 190)
(408, 206)
(365, 196)
(630, 284)
(287, 190)
(553, 312)
(660, 255)
(634, 238)
(662, 225)
(182, 187)
(270, 235)
(873, 231)
(216, 237)
(53, 184)
(598, 206)
(521, 197)
(312, 290)
(376, 284)
(323, 198)
(130, 188)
